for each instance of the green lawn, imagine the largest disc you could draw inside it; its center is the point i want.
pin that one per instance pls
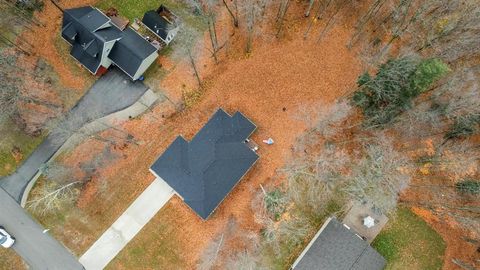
(408, 242)
(14, 136)
(135, 9)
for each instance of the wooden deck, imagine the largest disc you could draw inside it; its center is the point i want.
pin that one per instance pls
(354, 220)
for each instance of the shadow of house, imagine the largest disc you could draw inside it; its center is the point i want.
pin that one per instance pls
(204, 171)
(97, 43)
(337, 247)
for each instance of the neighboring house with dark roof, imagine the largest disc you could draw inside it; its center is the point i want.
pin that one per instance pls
(337, 247)
(163, 23)
(97, 43)
(204, 171)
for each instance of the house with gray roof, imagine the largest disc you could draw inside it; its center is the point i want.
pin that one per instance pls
(97, 43)
(205, 170)
(162, 22)
(337, 247)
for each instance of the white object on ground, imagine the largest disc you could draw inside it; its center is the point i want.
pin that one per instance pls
(269, 141)
(369, 222)
(127, 225)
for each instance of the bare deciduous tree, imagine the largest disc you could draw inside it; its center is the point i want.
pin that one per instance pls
(374, 8)
(57, 172)
(379, 176)
(254, 11)
(232, 14)
(209, 258)
(51, 197)
(282, 11)
(62, 182)
(244, 260)
(187, 45)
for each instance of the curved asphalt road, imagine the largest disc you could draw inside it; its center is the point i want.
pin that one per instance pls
(39, 250)
(112, 92)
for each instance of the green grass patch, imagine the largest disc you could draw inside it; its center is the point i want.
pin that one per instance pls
(132, 9)
(408, 242)
(13, 136)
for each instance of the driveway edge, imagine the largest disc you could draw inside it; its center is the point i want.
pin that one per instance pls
(140, 106)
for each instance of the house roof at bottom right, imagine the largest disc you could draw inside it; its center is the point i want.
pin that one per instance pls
(336, 247)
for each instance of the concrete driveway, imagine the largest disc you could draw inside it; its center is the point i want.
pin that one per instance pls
(112, 92)
(38, 249)
(127, 225)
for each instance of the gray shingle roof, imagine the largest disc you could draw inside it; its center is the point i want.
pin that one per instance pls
(338, 248)
(93, 19)
(129, 52)
(156, 23)
(81, 28)
(87, 48)
(206, 169)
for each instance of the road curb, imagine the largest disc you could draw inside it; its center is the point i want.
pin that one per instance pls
(140, 106)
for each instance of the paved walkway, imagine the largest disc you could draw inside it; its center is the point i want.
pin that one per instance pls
(112, 92)
(96, 126)
(38, 249)
(127, 225)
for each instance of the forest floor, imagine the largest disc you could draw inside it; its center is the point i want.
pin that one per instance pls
(273, 86)
(52, 77)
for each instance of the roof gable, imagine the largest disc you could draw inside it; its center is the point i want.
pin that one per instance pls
(87, 47)
(129, 52)
(88, 29)
(206, 169)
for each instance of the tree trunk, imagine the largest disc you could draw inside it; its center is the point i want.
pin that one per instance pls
(372, 11)
(192, 61)
(235, 19)
(331, 20)
(56, 5)
(211, 31)
(318, 14)
(23, 15)
(309, 9)
(283, 10)
(7, 41)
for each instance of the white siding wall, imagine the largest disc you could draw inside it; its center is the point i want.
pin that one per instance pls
(145, 64)
(106, 62)
(171, 34)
